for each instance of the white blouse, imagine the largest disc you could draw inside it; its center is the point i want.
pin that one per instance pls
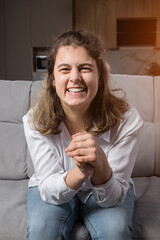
(51, 163)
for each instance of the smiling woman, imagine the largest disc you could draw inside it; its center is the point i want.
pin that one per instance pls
(83, 142)
(105, 110)
(75, 78)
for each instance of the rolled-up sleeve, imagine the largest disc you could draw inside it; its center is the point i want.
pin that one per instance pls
(121, 155)
(49, 173)
(110, 194)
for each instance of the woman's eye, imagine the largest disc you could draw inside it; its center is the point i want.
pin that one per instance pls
(64, 70)
(85, 69)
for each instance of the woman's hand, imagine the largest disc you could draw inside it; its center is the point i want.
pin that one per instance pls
(78, 150)
(89, 157)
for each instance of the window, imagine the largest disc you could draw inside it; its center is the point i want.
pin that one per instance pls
(136, 32)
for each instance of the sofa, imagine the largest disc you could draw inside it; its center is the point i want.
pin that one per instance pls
(16, 166)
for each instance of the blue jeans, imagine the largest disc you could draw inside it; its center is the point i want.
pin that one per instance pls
(52, 222)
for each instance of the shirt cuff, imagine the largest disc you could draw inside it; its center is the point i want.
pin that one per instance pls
(67, 192)
(111, 193)
(55, 190)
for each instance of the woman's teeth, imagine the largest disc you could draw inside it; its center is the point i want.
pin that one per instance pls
(73, 90)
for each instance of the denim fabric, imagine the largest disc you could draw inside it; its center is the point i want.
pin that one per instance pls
(114, 223)
(55, 222)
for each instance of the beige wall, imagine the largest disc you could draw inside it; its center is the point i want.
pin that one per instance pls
(101, 16)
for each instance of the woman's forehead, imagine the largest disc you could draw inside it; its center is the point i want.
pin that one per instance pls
(71, 53)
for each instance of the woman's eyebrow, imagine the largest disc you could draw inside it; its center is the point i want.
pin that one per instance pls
(86, 64)
(63, 65)
(81, 65)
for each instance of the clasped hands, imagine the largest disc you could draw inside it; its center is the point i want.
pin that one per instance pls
(87, 154)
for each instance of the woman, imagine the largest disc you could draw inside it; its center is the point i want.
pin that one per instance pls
(83, 142)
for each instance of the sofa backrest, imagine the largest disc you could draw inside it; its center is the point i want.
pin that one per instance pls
(17, 96)
(14, 102)
(143, 93)
(157, 124)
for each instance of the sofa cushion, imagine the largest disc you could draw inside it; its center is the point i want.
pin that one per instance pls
(139, 92)
(157, 124)
(14, 99)
(80, 232)
(30, 168)
(13, 217)
(145, 163)
(157, 149)
(157, 99)
(35, 90)
(13, 151)
(146, 219)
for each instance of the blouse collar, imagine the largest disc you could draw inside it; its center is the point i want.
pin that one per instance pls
(67, 138)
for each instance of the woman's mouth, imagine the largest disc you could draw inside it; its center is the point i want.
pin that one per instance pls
(76, 90)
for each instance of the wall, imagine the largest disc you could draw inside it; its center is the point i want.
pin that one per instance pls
(2, 41)
(101, 16)
(132, 60)
(25, 25)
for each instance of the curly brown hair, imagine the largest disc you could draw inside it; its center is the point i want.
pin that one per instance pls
(105, 111)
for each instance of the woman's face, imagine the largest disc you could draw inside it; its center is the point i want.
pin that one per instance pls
(75, 78)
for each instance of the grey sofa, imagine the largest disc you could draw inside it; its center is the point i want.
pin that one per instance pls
(16, 166)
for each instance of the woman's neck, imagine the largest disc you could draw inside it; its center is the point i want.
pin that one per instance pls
(75, 123)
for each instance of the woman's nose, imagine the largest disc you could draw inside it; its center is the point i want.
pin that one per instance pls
(75, 75)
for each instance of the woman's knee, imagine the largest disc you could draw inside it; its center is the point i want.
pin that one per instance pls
(109, 223)
(110, 230)
(117, 230)
(47, 221)
(40, 230)
(42, 222)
